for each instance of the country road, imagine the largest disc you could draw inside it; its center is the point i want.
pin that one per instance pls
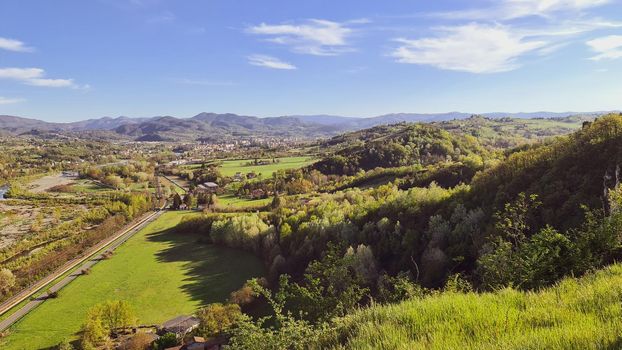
(95, 255)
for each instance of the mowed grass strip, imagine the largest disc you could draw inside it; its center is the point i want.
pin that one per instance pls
(162, 274)
(231, 167)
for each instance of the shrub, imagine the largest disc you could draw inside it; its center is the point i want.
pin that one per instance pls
(168, 340)
(7, 281)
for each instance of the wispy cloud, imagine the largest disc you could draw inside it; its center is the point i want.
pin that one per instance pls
(269, 62)
(497, 37)
(512, 9)
(607, 48)
(36, 77)
(314, 37)
(14, 45)
(8, 101)
(474, 48)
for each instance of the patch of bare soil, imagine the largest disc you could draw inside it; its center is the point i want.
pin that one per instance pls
(47, 182)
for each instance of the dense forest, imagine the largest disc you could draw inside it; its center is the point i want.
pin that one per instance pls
(391, 146)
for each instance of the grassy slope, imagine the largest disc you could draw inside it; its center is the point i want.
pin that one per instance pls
(161, 274)
(230, 167)
(576, 314)
(230, 200)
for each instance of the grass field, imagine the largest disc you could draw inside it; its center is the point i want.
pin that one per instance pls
(583, 313)
(231, 167)
(230, 200)
(160, 273)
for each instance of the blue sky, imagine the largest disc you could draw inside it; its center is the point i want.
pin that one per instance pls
(67, 60)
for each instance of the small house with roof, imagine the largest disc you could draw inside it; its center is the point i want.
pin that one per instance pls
(180, 325)
(208, 187)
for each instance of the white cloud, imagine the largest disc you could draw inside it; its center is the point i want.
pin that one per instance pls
(8, 101)
(269, 62)
(36, 77)
(474, 48)
(511, 9)
(314, 37)
(14, 45)
(608, 47)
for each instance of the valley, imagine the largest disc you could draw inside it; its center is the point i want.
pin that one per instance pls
(318, 175)
(420, 217)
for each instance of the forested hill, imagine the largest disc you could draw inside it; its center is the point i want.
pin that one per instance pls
(565, 173)
(405, 144)
(398, 145)
(543, 201)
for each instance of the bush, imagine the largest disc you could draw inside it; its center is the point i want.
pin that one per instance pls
(65, 345)
(7, 281)
(140, 341)
(242, 296)
(168, 340)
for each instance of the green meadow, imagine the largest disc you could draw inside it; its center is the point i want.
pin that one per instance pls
(231, 167)
(231, 201)
(162, 274)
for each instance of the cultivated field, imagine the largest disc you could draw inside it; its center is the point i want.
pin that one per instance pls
(160, 273)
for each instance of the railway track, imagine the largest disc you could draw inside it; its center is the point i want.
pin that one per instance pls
(79, 264)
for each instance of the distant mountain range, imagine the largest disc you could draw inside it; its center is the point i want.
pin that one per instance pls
(219, 127)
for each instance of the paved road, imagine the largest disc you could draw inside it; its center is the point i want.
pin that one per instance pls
(87, 262)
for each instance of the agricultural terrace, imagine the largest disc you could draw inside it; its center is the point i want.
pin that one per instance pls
(161, 273)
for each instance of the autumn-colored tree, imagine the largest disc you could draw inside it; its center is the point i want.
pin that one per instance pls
(7, 281)
(217, 318)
